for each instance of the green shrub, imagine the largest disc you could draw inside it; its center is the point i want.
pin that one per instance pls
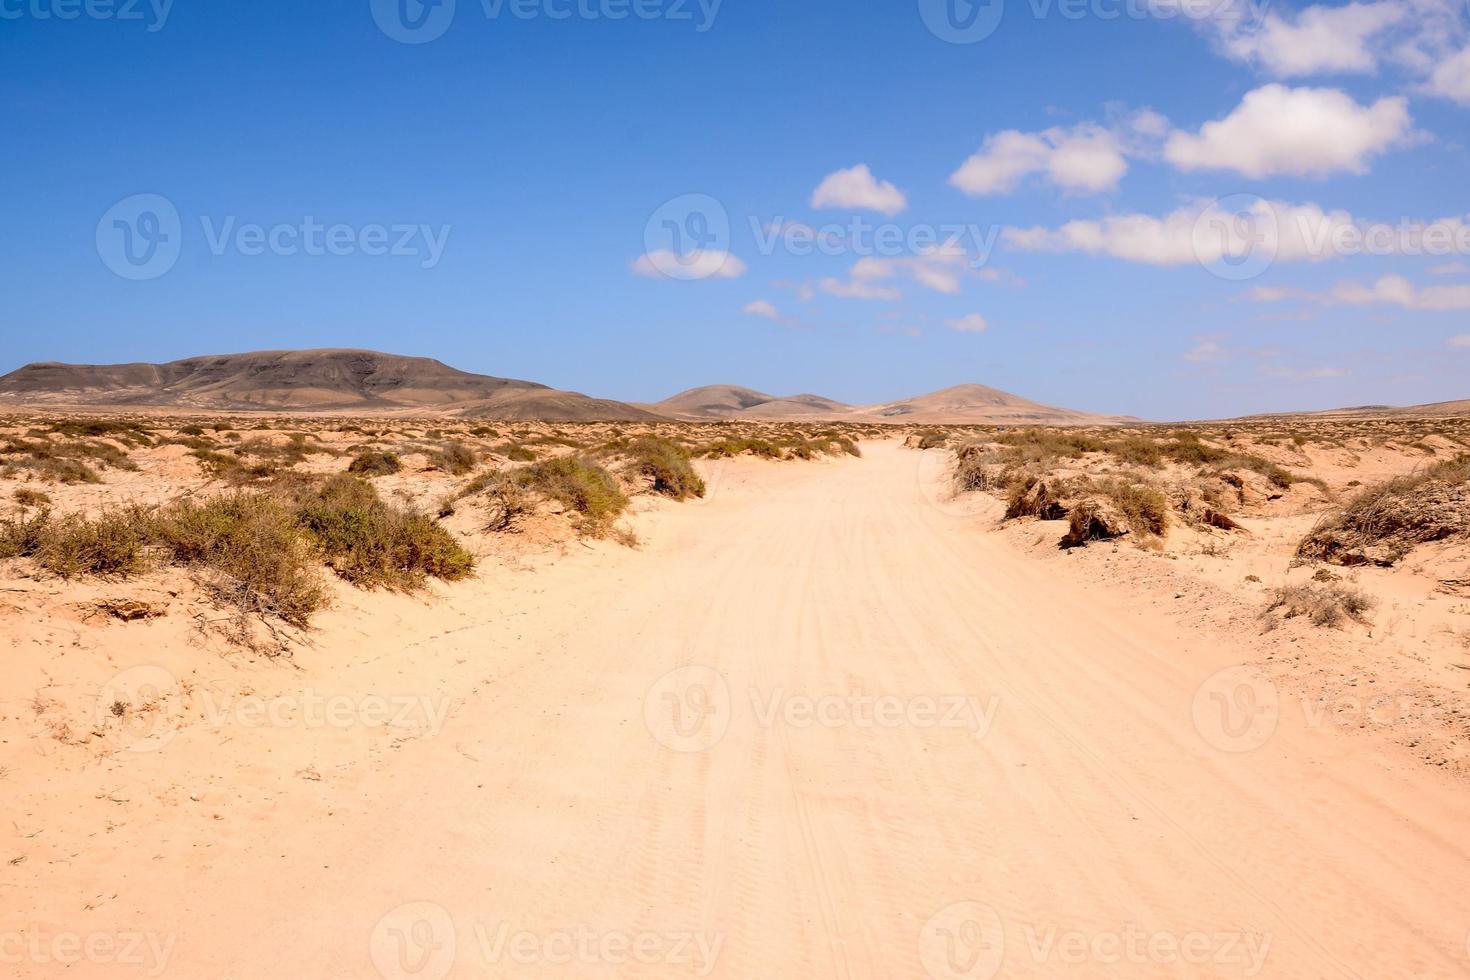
(369, 543)
(259, 560)
(667, 464)
(577, 484)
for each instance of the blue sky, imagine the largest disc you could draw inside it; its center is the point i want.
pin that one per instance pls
(517, 170)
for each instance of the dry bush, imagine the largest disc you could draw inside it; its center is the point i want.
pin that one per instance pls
(115, 544)
(454, 458)
(667, 465)
(27, 497)
(1322, 605)
(578, 484)
(374, 463)
(252, 552)
(1383, 523)
(369, 543)
(739, 446)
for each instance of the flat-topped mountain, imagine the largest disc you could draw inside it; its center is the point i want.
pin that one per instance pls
(306, 380)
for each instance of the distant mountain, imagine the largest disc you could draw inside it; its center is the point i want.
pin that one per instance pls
(1431, 410)
(957, 405)
(733, 401)
(978, 404)
(306, 380)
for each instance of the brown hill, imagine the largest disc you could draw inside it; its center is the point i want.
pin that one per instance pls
(958, 405)
(978, 404)
(307, 380)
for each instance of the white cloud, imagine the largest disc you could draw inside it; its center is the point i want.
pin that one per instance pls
(1320, 39)
(1306, 132)
(696, 264)
(856, 288)
(1392, 290)
(1277, 231)
(1460, 341)
(857, 189)
(940, 269)
(1087, 157)
(1285, 373)
(1205, 349)
(970, 323)
(1450, 269)
(761, 307)
(1451, 78)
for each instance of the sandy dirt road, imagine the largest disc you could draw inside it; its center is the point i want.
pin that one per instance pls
(819, 726)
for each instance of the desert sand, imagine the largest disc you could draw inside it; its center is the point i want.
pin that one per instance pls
(820, 724)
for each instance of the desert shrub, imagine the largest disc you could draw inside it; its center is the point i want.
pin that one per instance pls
(1145, 506)
(191, 430)
(930, 438)
(514, 452)
(978, 467)
(1385, 521)
(114, 544)
(252, 549)
(454, 458)
(1322, 605)
(369, 543)
(667, 464)
(128, 432)
(27, 497)
(577, 484)
(374, 463)
(730, 446)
